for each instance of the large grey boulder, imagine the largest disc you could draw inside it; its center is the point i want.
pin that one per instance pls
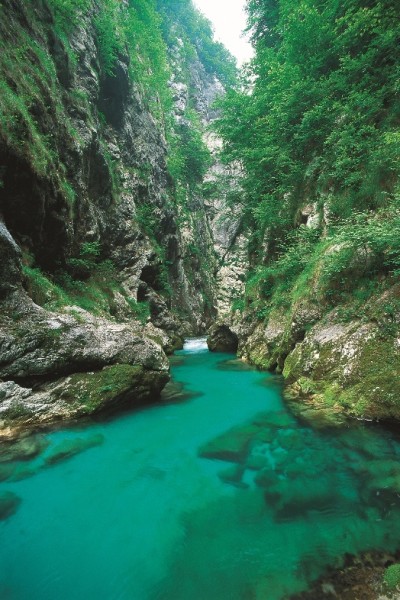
(222, 339)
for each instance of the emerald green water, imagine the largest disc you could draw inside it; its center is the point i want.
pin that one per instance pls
(139, 514)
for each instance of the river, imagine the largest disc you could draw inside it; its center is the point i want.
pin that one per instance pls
(215, 493)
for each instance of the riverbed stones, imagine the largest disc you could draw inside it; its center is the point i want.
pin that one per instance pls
(357, 577)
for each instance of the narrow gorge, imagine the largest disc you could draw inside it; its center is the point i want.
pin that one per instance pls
(111, 248)
(152, 192)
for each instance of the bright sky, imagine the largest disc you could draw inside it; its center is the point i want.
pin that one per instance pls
(229, 19)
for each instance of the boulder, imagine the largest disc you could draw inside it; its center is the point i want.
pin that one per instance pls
(222, 339)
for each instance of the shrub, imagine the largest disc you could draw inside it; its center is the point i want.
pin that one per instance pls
(392, 576)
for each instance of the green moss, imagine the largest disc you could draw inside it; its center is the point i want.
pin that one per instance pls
(89, 392)
(307, 386)
(376, 392)
(42, 290)
(17, 410)
(392, 576)
(370, 390)
(141, 310)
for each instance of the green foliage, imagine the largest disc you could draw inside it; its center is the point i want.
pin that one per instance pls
(25, 84)
(278, 278)
(147, 219)
(68, 12)
(141, 310)
(96, 294)
(197, 35)
(110, 34)
(148, 52)
(316, 122)
(392, 576)
(189, 157)
(323, 110)
(41, 289)
(85, 263)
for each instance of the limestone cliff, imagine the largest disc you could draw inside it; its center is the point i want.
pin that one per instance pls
(106, 250)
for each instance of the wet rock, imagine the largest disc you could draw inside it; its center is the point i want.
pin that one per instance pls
(69, 448)
(176, 392)
(233, 476)
(357, 578)
(235, 444)
(112, 387)
(222, 339)
(343, 363)
(290, 499)
(24, 449)
(6, 470)
(82, 394)
(265, 344)
(9, 503)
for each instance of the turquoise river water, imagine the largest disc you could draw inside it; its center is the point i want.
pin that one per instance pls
(216, 493)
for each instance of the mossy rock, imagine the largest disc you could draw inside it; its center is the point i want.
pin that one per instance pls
(113, 386)
(350, 369)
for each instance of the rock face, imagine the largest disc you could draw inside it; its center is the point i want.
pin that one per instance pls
(222, 339)
(101, 269)
(332, 366)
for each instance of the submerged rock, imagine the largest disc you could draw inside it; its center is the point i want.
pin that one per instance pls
(24, 449)
(234, 365)
(6, 470)
(234, 445)
(9, 503)
(290, 498)
(175, 391)
(69, 448)
(233, 476)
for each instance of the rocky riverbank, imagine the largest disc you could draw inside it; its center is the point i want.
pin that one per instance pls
(335, 363)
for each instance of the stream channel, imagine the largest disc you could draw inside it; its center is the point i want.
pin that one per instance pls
(215, 493)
